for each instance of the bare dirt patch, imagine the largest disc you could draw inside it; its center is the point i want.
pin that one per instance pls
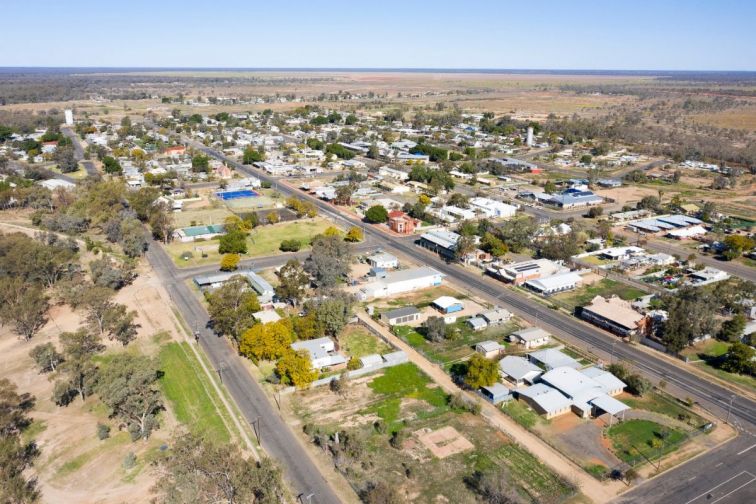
(444, 442)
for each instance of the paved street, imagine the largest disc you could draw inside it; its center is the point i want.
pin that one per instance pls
(88, 165)
(732, 267)
(717, 399)
(276, 438)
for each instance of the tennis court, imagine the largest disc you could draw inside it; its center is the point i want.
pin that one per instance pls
(231, 195)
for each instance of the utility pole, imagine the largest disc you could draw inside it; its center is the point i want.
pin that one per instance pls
(256, 427)
(729, 409)
(221, 368)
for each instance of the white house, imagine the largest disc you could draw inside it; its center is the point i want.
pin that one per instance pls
(322, 352)
(531, 337)
(383, 260)
(398, 282)
(491, 208)
(386, 171)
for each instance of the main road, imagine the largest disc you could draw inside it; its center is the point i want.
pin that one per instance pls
(89, 166)
(274, 435)
(739, 411)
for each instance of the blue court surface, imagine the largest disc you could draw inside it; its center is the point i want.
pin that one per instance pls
(229, 195)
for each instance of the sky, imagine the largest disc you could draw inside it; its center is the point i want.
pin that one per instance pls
(503, 34)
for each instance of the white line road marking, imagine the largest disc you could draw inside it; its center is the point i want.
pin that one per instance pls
(730, 493)
(723, 483)
(743, 451)
(719, 464)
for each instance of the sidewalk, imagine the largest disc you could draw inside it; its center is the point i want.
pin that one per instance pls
(592, 488)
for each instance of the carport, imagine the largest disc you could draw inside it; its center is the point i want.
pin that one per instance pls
(608, 404)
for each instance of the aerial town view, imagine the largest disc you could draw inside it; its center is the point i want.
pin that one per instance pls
(347, 252)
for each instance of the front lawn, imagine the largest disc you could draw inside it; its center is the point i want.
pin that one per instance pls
(707, 357)
(660, 403)
(638, 441)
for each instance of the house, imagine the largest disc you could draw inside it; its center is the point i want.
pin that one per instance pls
(609, 383)
(545, 400)
(393, 173)
(53, 184)
(521, 272)
(175, 151)
(398, 282)
(615, 315)
(404, 315)
(327, 193)
(267, 316)
(440, 241)
(477, 323)
(531, 337)
(322, 352)
(610, 182)
(582, 390)
(261, 286)
(451, 213)
(555, 283)
(496, 393)
(497, 316)
(400, 222)
(551, 358)
(489, 349)
(519, 370)
(706, 276)
(192, 233)
(448, 304)
(383, 260)
(491, 208)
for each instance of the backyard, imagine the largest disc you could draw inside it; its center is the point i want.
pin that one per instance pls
(357, 341)
(604, 287)
(460, 346)
(433, 437)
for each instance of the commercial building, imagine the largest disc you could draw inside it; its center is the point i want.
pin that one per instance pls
(399, 282)
(440, 241)
(615, 315)
(400, 222)
(555, 283)
(383, 260)
(492, 209)
(521, 272)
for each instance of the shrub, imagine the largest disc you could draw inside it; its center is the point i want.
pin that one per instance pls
(290, 245)
(103, 431)
(354, 363)
(129, 461)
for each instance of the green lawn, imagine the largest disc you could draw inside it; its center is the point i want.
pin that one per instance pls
(200, 216)
(192, 398)
(634, 441)
(658, 403)
(706, 356)
(79, 174)
(521, 414)
(262, 241)
(405, 381)
(458, 348)
(357, 341)
(604, 287)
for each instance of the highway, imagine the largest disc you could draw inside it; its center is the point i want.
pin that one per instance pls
(275, 437)
(740, 411)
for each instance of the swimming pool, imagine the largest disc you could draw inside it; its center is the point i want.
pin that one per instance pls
(243, 193)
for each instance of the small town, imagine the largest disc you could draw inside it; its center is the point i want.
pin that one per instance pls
(376, 285)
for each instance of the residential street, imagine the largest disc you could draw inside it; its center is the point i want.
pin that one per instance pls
(88, 165)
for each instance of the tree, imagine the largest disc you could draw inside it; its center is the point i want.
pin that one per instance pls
(16, 457)
(97, 301)
(78, 369)
(119, 324)
(459, 200)
(560, 247)
(295, 368)
(266, 341)
(739, 359)
(46, 357)
(111, 165)
(595, 212)
(229, 262)
(231, 307)
(649, 203)
(127, 385)
(376, 214)
(481, 372)
(493, 245)
(435, 329)
(381, 492)
(307, 327)
(329, 261)
(196, 471)
(161, 222)
(290, 245)
(465, 245)
(518, 233)
(736, 245)
(332, 311)
(65, 158)
(200, 163)
(105, 273)
(234, 242)
(344, 194)
(495, 486)
(586, 159)
(550, 187)
(733, 328)
(689, 316)
(354, 235)
(293, 280)
(24, 306)
(373, 152)
(134, 238)
(252, 155)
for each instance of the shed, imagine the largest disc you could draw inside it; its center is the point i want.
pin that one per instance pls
(489, 348)
(518, 370)
(496, 393)
(477, 323)
(531, 337)
(448, 304)
(404, 315)
(372, 360)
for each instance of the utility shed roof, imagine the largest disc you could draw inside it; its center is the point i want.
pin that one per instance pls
(609, 404)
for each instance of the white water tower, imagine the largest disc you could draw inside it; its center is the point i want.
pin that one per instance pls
(69, 117)
(529, 141)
